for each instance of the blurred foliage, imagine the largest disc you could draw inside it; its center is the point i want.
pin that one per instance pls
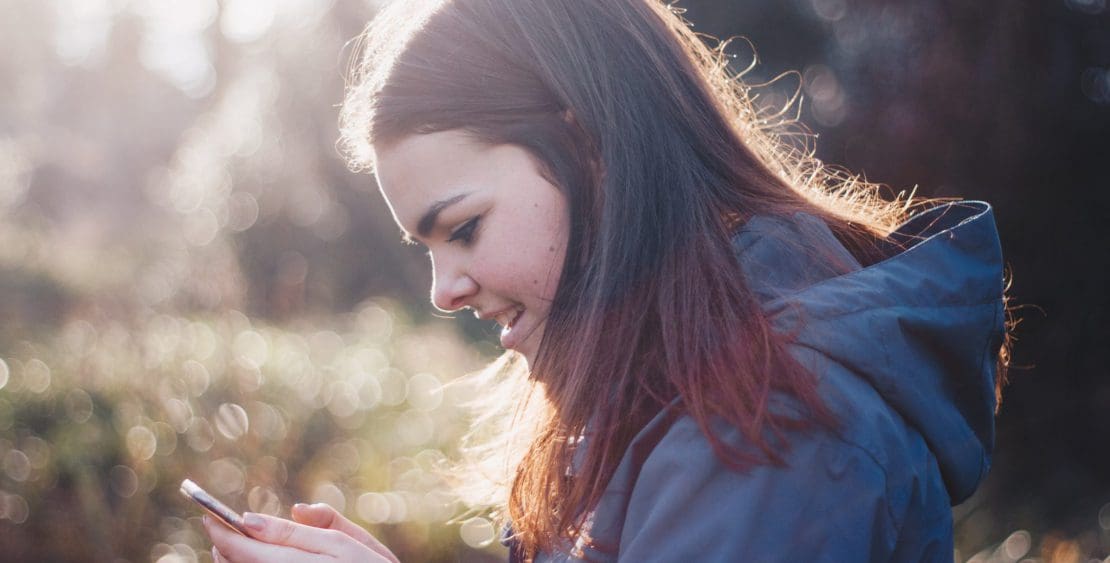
(193, 285)
(186, 271)
(100, 422)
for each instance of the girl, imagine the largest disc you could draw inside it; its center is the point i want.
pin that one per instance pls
(718, 349)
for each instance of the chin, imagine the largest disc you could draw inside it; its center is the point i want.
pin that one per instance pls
(528, 349)
(529, 360)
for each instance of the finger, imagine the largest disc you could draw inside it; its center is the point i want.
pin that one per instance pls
(233, 547)
(279, 531)
(312, 514)
(321, 515)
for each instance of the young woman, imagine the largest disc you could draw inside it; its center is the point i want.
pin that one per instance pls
(719, 350)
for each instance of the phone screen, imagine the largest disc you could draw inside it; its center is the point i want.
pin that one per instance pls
(227, 516)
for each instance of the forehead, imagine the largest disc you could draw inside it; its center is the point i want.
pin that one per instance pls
(420, 169)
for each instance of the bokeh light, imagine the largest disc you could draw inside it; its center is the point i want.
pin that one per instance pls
(124, 481)
(477, 532)
(232, 421)
(263, 500)
(373, 508)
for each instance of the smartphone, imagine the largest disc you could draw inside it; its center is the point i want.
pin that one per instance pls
(223, 514)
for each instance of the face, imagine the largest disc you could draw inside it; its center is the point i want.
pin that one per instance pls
(495, 229)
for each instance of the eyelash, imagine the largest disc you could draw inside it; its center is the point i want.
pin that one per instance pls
(465, 233)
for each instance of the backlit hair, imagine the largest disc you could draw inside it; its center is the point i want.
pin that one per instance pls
(662, 156)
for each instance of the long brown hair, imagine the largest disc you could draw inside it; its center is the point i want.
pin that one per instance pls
(662, 157)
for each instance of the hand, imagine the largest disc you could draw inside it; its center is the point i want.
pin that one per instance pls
(322, 515)
(320, 534)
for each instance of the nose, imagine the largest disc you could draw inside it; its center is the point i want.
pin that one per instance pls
(452, 288)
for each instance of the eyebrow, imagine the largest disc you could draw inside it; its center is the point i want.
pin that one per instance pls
(428, 220)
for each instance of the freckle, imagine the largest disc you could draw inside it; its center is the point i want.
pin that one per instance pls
(535, 205)
(535, 282)
(551, 249)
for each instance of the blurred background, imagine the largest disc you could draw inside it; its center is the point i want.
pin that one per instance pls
(193, 284)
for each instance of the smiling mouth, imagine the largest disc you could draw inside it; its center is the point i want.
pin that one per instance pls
(509, 334)
(508, 318)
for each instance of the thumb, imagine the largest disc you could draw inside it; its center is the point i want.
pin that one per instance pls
(321, 515)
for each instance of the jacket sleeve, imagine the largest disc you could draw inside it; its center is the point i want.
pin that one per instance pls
(828, 504)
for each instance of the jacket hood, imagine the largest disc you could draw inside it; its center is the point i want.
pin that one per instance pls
(923, 327)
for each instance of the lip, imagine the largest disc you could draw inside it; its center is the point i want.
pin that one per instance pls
(492, 315)
(511, 333)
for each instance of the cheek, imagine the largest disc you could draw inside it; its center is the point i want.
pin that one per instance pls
(531, 261)
(544, 278)
(525, 272)
(548, 252)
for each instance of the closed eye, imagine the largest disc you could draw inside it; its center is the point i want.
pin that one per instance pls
(465, 232)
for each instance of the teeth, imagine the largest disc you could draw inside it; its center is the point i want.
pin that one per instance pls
(507, 317)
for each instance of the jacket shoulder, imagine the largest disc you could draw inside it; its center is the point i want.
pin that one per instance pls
(830, 502)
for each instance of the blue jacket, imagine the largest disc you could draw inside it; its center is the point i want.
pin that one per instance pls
(905, 352)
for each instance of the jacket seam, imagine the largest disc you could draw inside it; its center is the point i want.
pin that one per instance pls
(886, 483)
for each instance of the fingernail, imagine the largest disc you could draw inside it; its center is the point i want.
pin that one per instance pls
(215, 554)
(300, 506)
(253, 521)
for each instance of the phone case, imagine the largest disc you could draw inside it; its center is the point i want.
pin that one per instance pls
(227, 516)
